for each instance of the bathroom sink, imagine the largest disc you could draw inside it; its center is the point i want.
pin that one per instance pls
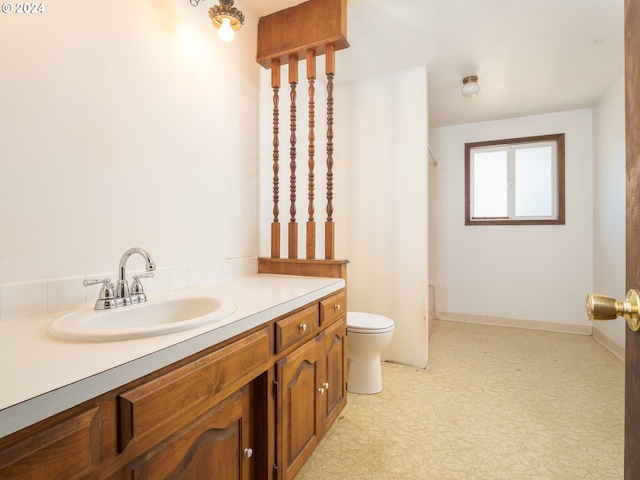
(154, 317)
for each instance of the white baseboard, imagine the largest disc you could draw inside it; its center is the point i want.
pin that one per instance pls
(609, 344)
(516, 323)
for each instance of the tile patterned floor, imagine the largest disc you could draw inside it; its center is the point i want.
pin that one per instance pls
(494, 403)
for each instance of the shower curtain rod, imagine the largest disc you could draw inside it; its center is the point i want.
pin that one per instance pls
(433, 157)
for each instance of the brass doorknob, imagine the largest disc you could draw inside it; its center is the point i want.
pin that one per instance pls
(601, 307)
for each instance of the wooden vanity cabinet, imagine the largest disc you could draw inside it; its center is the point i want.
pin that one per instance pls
(311, 390)
(212, 415)
(76, 439)
(195, 421)
(153, 410)
(217, 445)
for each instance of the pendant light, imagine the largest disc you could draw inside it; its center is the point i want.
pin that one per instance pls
(225, 17)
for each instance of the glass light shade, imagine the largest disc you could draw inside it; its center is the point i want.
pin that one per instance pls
(225, 32)
(470, 87)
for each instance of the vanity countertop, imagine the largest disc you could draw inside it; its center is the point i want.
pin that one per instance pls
(42, 376)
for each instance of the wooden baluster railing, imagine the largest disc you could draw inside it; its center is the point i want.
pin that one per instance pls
(293, 225)
(307, 41)
(329, 228)
(275, 226)
(311, 224)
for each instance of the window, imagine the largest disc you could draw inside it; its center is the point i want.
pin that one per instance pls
(519, 181)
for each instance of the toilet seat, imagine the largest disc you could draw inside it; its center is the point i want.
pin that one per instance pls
(368, 323)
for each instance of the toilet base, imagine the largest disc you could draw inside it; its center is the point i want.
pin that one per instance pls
(364, 377)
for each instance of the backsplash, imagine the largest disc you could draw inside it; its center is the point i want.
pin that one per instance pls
(40, 297)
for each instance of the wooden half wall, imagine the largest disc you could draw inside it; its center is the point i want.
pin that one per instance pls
(302, 33)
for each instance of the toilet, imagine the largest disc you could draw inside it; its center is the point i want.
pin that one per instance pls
(368, 334)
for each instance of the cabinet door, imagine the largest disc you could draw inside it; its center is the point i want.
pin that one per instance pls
(67, 450)
(217, 446)
(333, 355)
(298, 411)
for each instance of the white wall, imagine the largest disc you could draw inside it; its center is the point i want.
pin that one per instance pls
(609, 209)
(516, 275)
(381, 203)
(125, 124)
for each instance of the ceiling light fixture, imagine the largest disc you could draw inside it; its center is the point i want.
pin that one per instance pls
(225, 17)
(470, 86)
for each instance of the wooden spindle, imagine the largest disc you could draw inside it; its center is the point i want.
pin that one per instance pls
(275, 225)
(293, 225)
(329, 233)
(311, 224)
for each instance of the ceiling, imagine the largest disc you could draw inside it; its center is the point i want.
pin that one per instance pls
(531, 56)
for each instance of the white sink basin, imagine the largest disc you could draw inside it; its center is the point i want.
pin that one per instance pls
(154, 317)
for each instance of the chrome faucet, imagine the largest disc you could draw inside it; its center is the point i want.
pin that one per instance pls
(122, 287)
(111, 297)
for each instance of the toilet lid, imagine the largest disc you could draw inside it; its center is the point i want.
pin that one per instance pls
(360, 322)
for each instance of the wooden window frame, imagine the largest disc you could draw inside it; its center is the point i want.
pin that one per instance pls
(560, 178)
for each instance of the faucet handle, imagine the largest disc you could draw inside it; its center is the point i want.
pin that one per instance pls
(87, 282)
(136, 287)
(106, 297)
(144, 275)
(107, 287)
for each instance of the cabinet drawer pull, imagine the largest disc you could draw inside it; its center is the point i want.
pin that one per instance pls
(248, 452)
(336, 306)
(325, 385)
(303, 327)
(321, 391)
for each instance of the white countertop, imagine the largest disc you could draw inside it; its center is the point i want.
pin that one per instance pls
(41, 376)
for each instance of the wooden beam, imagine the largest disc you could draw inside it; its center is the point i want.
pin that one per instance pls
(309, 268)
(310, 25)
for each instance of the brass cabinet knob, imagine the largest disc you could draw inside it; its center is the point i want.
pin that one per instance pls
(321, 390)
(303, 327)
(601, 307)
(248, 452)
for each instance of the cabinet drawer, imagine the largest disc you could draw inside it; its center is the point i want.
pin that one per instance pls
(296, 327)
(333, 308)
(152, 411)
(68, 450)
